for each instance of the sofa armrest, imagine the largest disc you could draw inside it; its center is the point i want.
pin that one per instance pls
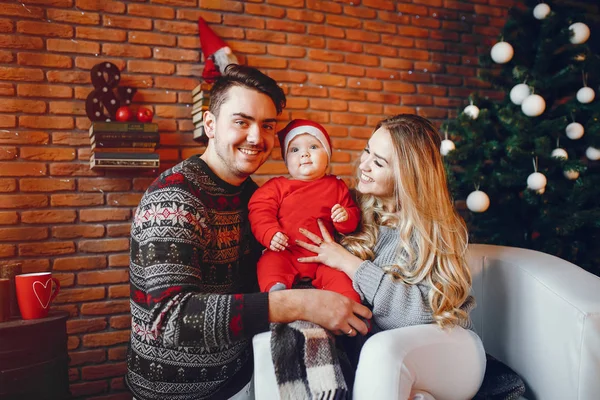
(265, 383)
(541, 316)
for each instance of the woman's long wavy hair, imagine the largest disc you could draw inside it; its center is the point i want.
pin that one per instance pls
(433, 237)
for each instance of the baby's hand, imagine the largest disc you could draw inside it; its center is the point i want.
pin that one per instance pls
(279, 242)
(339, 213)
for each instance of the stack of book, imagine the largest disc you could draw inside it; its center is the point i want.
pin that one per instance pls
(200, 101)
(124, 145)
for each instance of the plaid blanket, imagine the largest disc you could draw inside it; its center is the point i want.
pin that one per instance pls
(307, 363)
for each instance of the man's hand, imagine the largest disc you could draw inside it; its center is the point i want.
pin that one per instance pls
(279, 242)
(330, 310)
(339, 213)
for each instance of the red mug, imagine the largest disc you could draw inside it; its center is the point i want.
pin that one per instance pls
(34, 293)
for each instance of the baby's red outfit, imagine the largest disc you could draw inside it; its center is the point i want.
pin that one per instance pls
(286, 205)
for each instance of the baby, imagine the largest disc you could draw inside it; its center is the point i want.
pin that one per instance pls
(283, 205)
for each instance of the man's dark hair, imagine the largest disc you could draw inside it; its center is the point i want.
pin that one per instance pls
(248, 77)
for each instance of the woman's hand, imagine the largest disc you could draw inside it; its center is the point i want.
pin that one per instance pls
(329, 252)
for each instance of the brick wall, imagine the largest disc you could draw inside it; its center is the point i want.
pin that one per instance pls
(344, 63)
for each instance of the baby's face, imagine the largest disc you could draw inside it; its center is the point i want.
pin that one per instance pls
(306, 158)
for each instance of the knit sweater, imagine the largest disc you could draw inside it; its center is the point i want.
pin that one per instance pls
(193, 301)
(394, 303)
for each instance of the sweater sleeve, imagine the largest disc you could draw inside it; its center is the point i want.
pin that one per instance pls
(348, 203)
(263, 210)
(394, 303)
(169, 295)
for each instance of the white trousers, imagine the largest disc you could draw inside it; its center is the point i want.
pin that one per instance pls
(420, 362)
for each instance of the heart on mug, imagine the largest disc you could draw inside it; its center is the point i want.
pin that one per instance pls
(43, 291)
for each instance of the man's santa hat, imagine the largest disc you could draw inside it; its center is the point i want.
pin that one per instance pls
(298, 127)
(217, 55)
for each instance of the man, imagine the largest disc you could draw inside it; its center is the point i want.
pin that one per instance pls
(194, 300)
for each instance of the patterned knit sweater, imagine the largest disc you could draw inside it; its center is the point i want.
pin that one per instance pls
(193, 302)
(394, 303)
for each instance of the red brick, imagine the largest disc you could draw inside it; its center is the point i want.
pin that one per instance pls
(285, 26)
(21, 42)
(259, 9)
(22, 234)
(80, 294)
(6, 57)
(8, 185)
(79, 263)
(308, 41)
(365, 84)
(47, 154)
(344, 45)
(152, 11)
(46, 122)
(7, 250)
(67, 107)
(102, 277)
(58, 200)
(362, 59)
(310, 66)
(119, 353)
(109, 35)
(386, 98)
(117, 21)
(317, 116)
(6, 25)
(118, 260)
(126, 50)
(118, 230)
(288, 76)
(327, 80)
(48, 216)
(72, 46)
(8, 153)
(263, 36)
(108, 6)
(95, 372)
(11, 168)
(66, 169)
(366, 108)
(33, 90)
(8, 218)
(46, 249)
(21, 74)
(84, 357)
(75, 17)
(348, 119)
(7, 89)
(326, 6)
(286, 51)
(103, 246)
(85, 325)
(149, 38)
(105, 308)
(77, 231)
(398, 41)
(119, 291)
(176, 55)
(46, 29)
(304, 15)
(324, 55)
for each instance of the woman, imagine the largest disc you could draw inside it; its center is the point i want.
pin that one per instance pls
(407, 261)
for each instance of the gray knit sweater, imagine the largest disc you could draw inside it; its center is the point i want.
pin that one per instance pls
(394, 303)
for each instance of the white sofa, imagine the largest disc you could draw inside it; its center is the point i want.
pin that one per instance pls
(538, 314)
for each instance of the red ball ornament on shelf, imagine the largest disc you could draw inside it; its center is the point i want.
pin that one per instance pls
(144, 115)
(124, 114)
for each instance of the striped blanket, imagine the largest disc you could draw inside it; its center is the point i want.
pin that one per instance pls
(307, 362)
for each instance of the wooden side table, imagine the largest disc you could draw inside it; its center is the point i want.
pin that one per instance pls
(34, 359)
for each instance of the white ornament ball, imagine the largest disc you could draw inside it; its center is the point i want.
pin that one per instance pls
(533, 105)
(447, 146)
(585, 95)
(519, 93)
(536, 181)
(478, 201)
(581, 33)
(572, 175)
(560, 153)
(541, 11)
(574, 131)
(592, 153)
(502, 52)
(472, 111)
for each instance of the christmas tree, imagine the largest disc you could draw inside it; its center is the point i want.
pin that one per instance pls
(528, 165)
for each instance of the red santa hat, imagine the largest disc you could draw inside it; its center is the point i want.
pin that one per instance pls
(210, 43)
(301, 126)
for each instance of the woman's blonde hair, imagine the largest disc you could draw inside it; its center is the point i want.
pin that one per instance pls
(433, 237)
